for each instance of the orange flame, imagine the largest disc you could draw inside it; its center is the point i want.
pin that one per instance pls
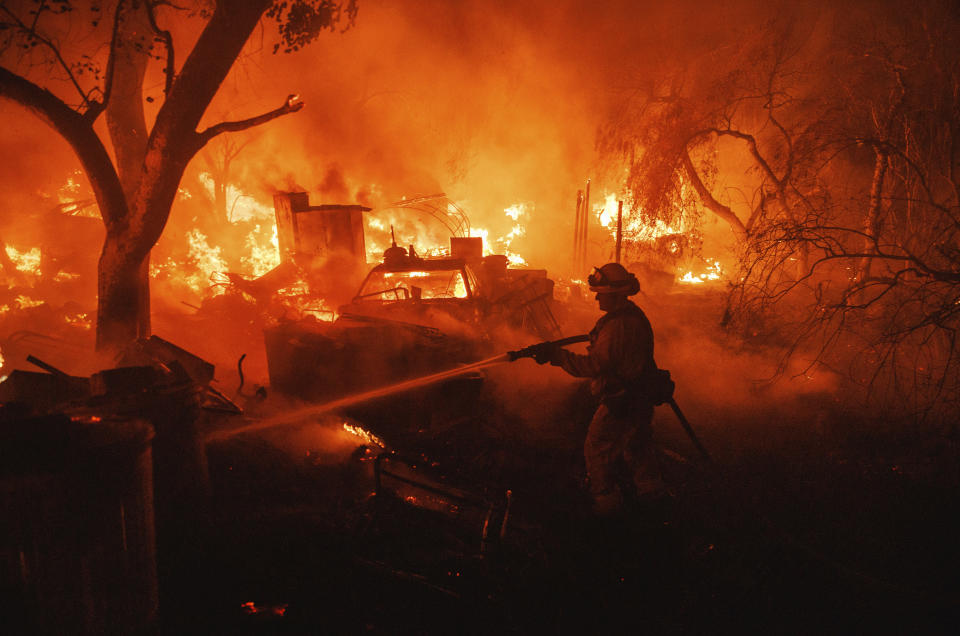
(25, 261)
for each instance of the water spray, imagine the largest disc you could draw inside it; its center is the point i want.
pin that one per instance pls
(297, 416)
(532, 351)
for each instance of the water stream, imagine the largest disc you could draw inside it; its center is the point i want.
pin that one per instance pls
(297, 416)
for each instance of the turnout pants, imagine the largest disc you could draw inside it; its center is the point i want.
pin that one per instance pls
(619, 451)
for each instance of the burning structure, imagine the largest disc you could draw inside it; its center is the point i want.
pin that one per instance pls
(781, 178)
(410, 316)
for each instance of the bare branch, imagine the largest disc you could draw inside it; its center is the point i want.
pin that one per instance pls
(79, 133)
(751, 144)
(170, 68)
(96, 108)
(708, 199)
(31, 34)
(292, 104)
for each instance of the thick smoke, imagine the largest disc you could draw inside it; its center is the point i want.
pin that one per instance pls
(494, 103)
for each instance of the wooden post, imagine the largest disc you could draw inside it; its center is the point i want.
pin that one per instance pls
(619, 229)
(576, 233)
(582, 264)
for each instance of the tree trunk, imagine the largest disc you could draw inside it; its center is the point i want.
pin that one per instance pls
(711, 203)
(126, 122)
(122, 295)
(220, 198)
(871, 225)
(127, 126)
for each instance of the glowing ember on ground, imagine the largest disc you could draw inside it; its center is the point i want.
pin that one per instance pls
(253, 608)
(714, 272)
(365, 435)
(81, 320)
(63, 277)
(23, 302)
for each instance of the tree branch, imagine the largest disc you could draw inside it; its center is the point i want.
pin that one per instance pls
(167, 43)
(751, 144)
(291, 105)
(708, 199)
(96, 108)
(31, 33)
(79, 133)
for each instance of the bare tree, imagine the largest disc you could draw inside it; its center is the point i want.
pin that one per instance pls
(219, 160)
(136, 193)
(848, 231)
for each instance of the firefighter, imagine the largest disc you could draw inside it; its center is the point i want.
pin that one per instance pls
(620, 362)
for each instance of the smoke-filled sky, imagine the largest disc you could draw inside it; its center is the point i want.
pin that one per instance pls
(495, 103)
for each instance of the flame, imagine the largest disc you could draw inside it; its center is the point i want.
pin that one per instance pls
(502, 244)
(206, 256)
(363, 434)
(515, 211)
(242, 206)
(406, 274)
(262, 259)
(299, 299)
(633, 224)
(204, 261)
(251, 607)
(63, 276)
(26, 261)
(607, 213)
(79, 319)
(713, 272)
(637, 230)
(23, 302)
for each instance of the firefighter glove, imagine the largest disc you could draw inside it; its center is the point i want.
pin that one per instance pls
(544, 352)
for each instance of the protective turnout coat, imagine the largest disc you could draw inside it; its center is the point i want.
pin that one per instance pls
(618, 445)
(619, 356)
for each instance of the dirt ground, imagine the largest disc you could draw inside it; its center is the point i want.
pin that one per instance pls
(814, 517)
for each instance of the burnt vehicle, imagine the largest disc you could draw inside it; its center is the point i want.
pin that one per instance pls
(412, 316)
(423, 291)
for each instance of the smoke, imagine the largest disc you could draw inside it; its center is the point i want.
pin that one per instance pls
(494, 103)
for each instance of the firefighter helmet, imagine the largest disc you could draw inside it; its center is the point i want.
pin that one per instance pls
(613, 278)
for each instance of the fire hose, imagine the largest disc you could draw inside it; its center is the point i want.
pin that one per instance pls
(662, 392)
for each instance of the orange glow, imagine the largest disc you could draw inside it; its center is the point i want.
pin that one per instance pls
(251, 607)
(262, 257)
(633, 225)
(25, 261)
(406, 274)
(299, 299)
(364, 435)
(82, 320)
(713, 272)
(24, 302)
